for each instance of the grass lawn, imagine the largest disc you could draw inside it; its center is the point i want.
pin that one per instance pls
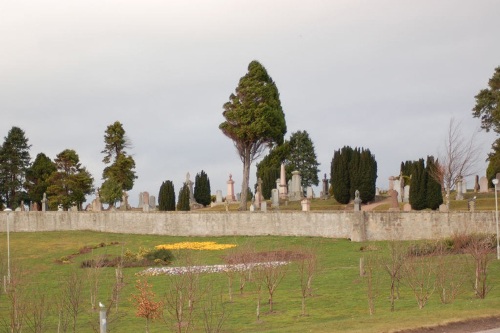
(338, 302)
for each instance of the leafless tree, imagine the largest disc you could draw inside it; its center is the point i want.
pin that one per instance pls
(419, 274)
(307, 265)
(449, 282)
(371, 282)
(17, 300)
(69, 302)
(393, 265)
(214, 311)
(38, 311)
(93, 279)
(458, 159)
(480, 250)
(273, 271)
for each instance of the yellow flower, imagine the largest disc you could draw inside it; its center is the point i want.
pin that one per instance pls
(195, 246)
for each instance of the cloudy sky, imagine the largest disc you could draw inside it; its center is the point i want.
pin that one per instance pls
(384, 75)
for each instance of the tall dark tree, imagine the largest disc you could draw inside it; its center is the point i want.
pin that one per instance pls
(254, 119)
(37, 177)
(202, 190)
(367, 176)
(339, 175)
(487, 106)
(270, 167)
(433, 188)
(418, 188)
(354, 172)
(14, 162)
(166, 197)
(70, 183)
(183, 202)
(493, 161)
(302, 157)
(120, 170)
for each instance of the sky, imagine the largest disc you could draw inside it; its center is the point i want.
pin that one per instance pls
(384, 75)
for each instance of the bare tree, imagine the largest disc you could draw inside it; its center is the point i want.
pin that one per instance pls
(418, 273)
(93, 277)
(307, 265)
(449, 282)
(71, 296)
(393, 265)
(17, 300)
(214, 311)
(273, 271)
(480, 251)
(371, 282)
(458, 159)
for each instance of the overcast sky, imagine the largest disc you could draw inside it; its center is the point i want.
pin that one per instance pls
(384, 75)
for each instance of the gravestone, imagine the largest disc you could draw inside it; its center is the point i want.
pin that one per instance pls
(35, 206)
(464, 186)
(406, 207)
(295, 193)
(190, 183)
(309, 192)
(152, 202)
(230, 189)
(483, 184)
(472, 204)
(397, 188)
(252, 208)
(406, 197)
(306, 205)
(283, 185)
(44, 203)
(325, 192)
(275, 198)
(263, 206)
(258, 195)
(218, 196)
(141, 196)
(391, 183)
(377, 191)
(394, 201)
(459, 195)
(145, 200)
(476, 184)
(357, 201)
(443, 208)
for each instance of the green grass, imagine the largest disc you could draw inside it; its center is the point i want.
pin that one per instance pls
(339, 301)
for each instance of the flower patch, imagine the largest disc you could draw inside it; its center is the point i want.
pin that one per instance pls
(195, 246)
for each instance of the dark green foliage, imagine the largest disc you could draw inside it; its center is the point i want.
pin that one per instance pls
(120, 171)
(202, 190)
(254, 119)
(340, 174)
(14, 162)
(166, 197)
(406, 170)
(351, 170)
(37, 177)
(183, 203)
(269, 168)
(302, 157)
(70, 183)
(434, 190)
(487, 106)
(159, 254)
(418, 189)
(494, 162)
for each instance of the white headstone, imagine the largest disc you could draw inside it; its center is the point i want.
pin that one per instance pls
(275, 198)
(406, 197)
(483, 185)
(397, 187)
(218, 196)
(310, 193)
(263, 206)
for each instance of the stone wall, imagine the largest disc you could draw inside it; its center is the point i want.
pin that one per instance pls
(358, 226)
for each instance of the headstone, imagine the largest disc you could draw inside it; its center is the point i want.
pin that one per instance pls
(145, 199)
(283, 188)
(263, 206)
(73, 208)
(21, 206)
(443, 208)
(459, 195)
(483, 184)
(377, 191)
(35, 206)
(407, 206)
(252, 208)
(325, 191)
(190, 186)
(357, 201)
(391, 183)
(275, 198)
(145, 208)
(141, 203)
(44, 203)
(124, 204)
(310, 193)
(218, 196)
(96, 203)
(306, 205)
(152, 202)
(397, 188)
(230, 190)
(295, 193)
(472, 204)
(394, 201)
(464, 186)
(258, 195)
(406, 197)
(476, 184)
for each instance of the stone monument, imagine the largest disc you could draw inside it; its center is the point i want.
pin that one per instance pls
(483, 184)
(394, 201)
(218, 197)
(283, 188)
(459, 195)
(306, 205)
(230, 189)
(275, 198)
(476, 184)
(325, 193)
(295, 193)
(44, 202)
(357, 201)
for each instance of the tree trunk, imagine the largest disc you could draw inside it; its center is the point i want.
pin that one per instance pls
(244, 183)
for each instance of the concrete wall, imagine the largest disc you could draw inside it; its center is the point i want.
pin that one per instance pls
(358, 226)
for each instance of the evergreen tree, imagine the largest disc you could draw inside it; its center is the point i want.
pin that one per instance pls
(254, 119)
(302, 157)
(70, 183)
(339, 175)
(269, 168)
(166, 197)
(120, 171)
(37, 178)
(434, 191)
(354, 172)
(14, 162)
(418, 188)
(367, 176)
(183, 203)
(202, 190)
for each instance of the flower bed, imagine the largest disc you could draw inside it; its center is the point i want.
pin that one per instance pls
(154, 271)
(195, 246)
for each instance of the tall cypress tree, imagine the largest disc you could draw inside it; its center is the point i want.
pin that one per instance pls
(183, 203)
(166, 197)
(354, 172)
(367, 176)
(434, 191)
(202, 193)
(418, 186)
(339, 174)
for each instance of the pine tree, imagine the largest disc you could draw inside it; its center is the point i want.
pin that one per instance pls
(418, 186)
(434, 190)
(367, 176)
(354, 172)
(302, 157)
(183, 203)
(37, 177)
(202, 190)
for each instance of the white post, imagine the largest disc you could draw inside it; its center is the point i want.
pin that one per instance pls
(8, 210)
(495, 182)
(102, 318)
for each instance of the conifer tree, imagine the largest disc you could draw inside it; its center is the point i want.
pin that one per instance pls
(339, 174)
(302, 157)
(434, 190)
(418, 186)
(183, 203)
(201, 191)
(270, 167)
(166, 197)
(367, 176)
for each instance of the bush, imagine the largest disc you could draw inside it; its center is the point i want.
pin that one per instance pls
(162, 254)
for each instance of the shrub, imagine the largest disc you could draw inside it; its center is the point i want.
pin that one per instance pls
(159, 254)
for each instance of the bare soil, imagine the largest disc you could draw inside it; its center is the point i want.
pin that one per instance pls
(467, 326)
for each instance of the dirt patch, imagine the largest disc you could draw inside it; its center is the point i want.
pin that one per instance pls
(466, 326)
